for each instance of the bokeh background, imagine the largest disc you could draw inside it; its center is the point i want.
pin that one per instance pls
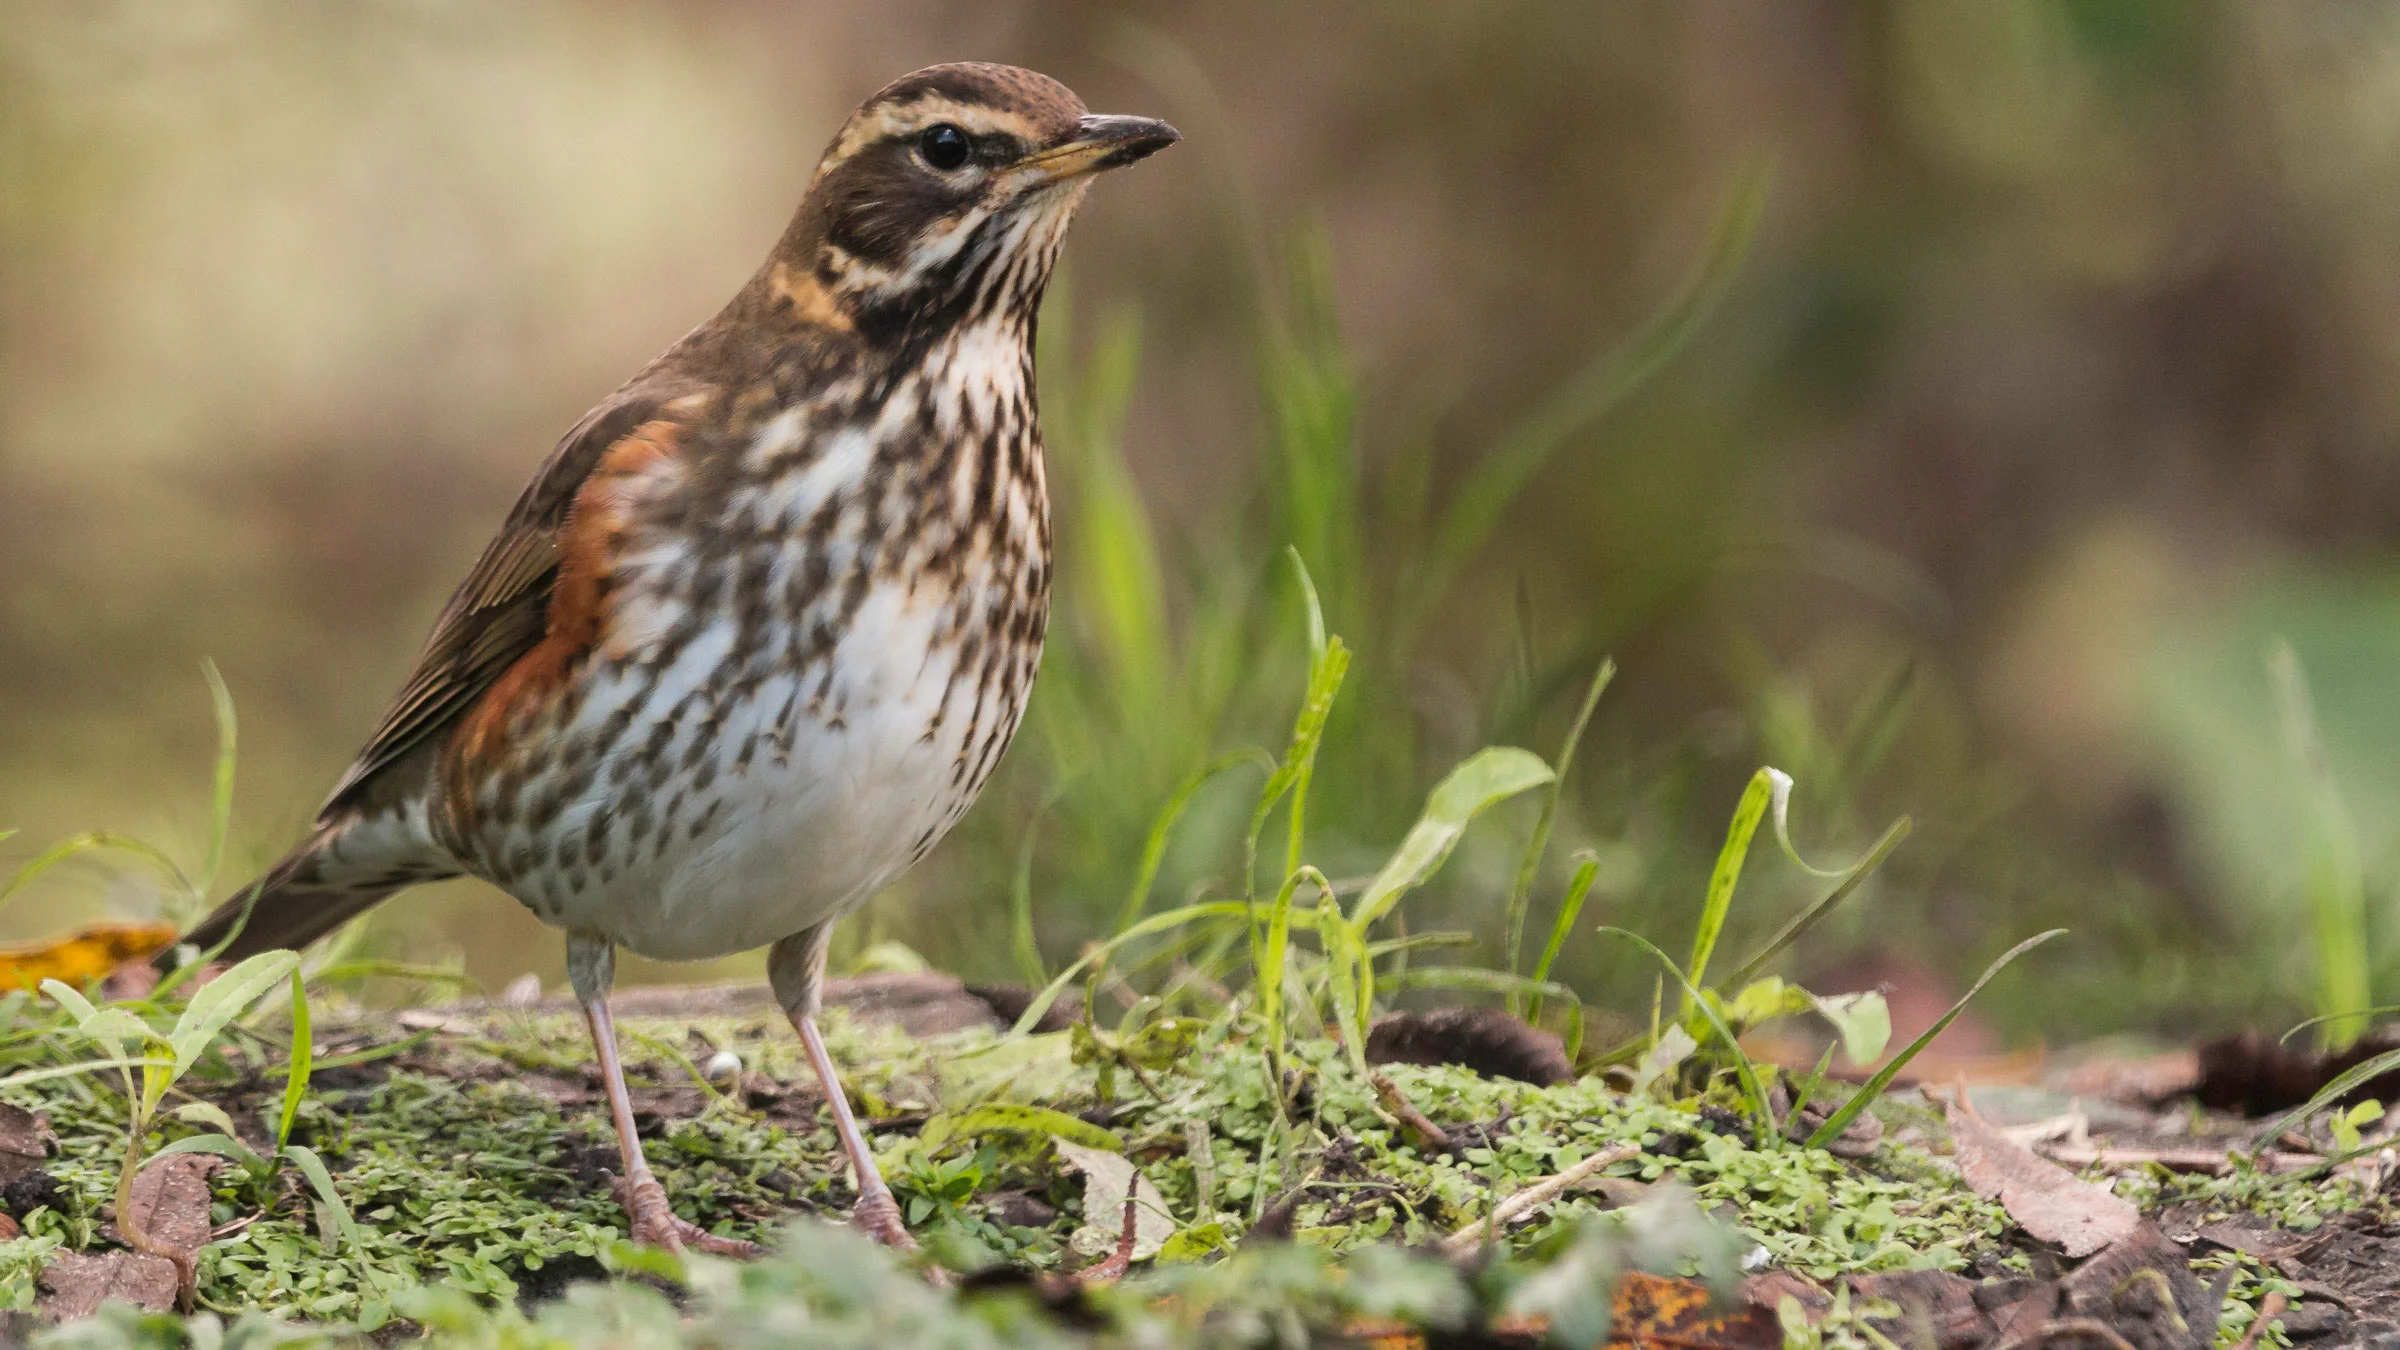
(2058, 385)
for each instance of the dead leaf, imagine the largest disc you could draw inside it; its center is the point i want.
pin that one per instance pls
(1106, 1178)
(74, 1285)
(1648, 1312)
(2143, 1289)
(170, 1209)
(1654, 1312)
(2045, 1199)
(24, 1141)
(2145, 1081)
(83, 955)
(171, 1200)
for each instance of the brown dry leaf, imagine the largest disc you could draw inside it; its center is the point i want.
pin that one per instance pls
(1654, 1311)
(2144, 1081)
(85, 954)
(1649, 1312)
(170, 1208)
(75, 1285)
(2045, 1199)
(24, 1141)
(1107, 1177)
(171, 1199)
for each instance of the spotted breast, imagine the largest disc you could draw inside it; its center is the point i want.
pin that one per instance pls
(790, 646)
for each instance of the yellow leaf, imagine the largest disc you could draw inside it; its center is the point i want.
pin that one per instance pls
(85, 954)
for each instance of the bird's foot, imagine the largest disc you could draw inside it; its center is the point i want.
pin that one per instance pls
(656, 1225)
(878, 1216)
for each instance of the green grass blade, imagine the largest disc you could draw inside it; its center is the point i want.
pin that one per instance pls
(1578, 886)
(220, 796)
(1160, 922)
(70, 998)
(1848, 883)
(1154, 848)
(2341, 1085)
(88, 1066)
(2336, 886)
(304, 1049)
(1490, 775)
(1326, 670)
(94, 841)
(1725, 876)
(1311, 605)
(1345, 959)
(222, 1145)
(338, 972)
(1020, 901)
(321, 1181)
(1274, 957)
(1529, 865)
(1754, 1094)
(1415, 942)
(1866, 1095)
(2380, 1010)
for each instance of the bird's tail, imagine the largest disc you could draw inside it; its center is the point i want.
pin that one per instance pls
(339, 873)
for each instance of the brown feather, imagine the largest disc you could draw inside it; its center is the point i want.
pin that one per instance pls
(502, 610)
(575, 616)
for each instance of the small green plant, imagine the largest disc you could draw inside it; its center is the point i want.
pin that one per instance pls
(334, 1219)
(163, 1058)
(1342, 974)
(1706, 1036)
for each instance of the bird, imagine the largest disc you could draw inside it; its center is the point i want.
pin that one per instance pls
(760, 627)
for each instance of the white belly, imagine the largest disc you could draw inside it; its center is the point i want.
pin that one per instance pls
(827, 786)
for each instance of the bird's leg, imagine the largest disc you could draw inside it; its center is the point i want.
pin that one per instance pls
(796, 969)
(591, 967)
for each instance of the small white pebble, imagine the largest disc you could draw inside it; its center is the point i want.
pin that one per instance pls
(721, 1065)
(1756, 1259)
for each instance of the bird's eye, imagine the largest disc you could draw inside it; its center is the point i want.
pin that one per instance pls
(944, 147)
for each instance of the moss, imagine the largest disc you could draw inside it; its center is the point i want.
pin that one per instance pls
(461, 1168)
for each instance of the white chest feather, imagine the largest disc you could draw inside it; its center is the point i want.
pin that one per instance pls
(773, 730)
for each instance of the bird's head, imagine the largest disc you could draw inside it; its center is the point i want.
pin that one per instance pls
(945, 196)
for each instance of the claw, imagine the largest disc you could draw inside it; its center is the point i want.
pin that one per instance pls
(878, 1216)
(654, 1224)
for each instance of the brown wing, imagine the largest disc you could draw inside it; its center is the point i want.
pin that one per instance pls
(501, 611)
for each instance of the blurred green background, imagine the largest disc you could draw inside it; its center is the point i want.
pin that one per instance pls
(2056, 386)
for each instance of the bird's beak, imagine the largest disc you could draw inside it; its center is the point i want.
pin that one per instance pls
(1099, 143)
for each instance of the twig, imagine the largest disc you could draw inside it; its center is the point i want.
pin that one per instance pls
(2214, 1161)
(1112, 1268)
(1430, 1137)
(1466, 1241)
